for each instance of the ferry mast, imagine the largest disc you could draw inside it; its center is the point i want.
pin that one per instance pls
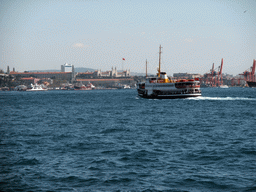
(146, 68)
(159, 68)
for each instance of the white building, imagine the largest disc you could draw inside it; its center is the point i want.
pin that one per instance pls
(68, 68)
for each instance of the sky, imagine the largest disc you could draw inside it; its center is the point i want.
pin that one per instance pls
(194, 34)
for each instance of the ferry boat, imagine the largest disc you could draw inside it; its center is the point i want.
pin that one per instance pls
(161, 87)
(20, 88)
(123, 87)
(90, 86)
(37, 87)
(223, 86)
(80, 86)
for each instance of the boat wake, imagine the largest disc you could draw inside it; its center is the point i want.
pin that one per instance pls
(222, 98)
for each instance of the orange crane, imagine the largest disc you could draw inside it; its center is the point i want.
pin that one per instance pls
(214, 78)
(219, 80)
(249, 75)
(208, 77)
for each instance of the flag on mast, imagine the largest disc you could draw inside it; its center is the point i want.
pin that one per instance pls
(123, 58)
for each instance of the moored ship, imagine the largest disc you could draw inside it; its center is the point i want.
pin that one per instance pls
(161, 87)
(37, 87)
(251, 83)
(80, 86)
(250, 76)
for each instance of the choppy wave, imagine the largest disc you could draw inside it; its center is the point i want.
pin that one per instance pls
(115, 141)
(26, 161)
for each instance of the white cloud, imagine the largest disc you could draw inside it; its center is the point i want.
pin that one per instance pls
(79, 45)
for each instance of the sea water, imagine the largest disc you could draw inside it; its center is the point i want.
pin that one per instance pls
(113, 140)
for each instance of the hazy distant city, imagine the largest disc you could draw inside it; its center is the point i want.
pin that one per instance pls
(69, 77)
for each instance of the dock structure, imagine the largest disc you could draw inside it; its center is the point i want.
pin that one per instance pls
(214, 77)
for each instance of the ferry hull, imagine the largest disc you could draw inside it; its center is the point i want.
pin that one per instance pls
(173, 96)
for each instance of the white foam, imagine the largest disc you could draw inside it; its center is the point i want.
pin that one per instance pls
(222, 98)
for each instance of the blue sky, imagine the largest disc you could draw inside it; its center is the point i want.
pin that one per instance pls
(42, 34)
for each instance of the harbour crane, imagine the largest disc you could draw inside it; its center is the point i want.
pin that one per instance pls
(249, 74)
(214, 77)
(219, 80)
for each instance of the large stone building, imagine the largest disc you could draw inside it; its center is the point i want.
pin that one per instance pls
(44, 75)
(67, 73)
(105, 78)
(104, 74)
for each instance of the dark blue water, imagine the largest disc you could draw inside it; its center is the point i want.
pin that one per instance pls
(112, 140)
